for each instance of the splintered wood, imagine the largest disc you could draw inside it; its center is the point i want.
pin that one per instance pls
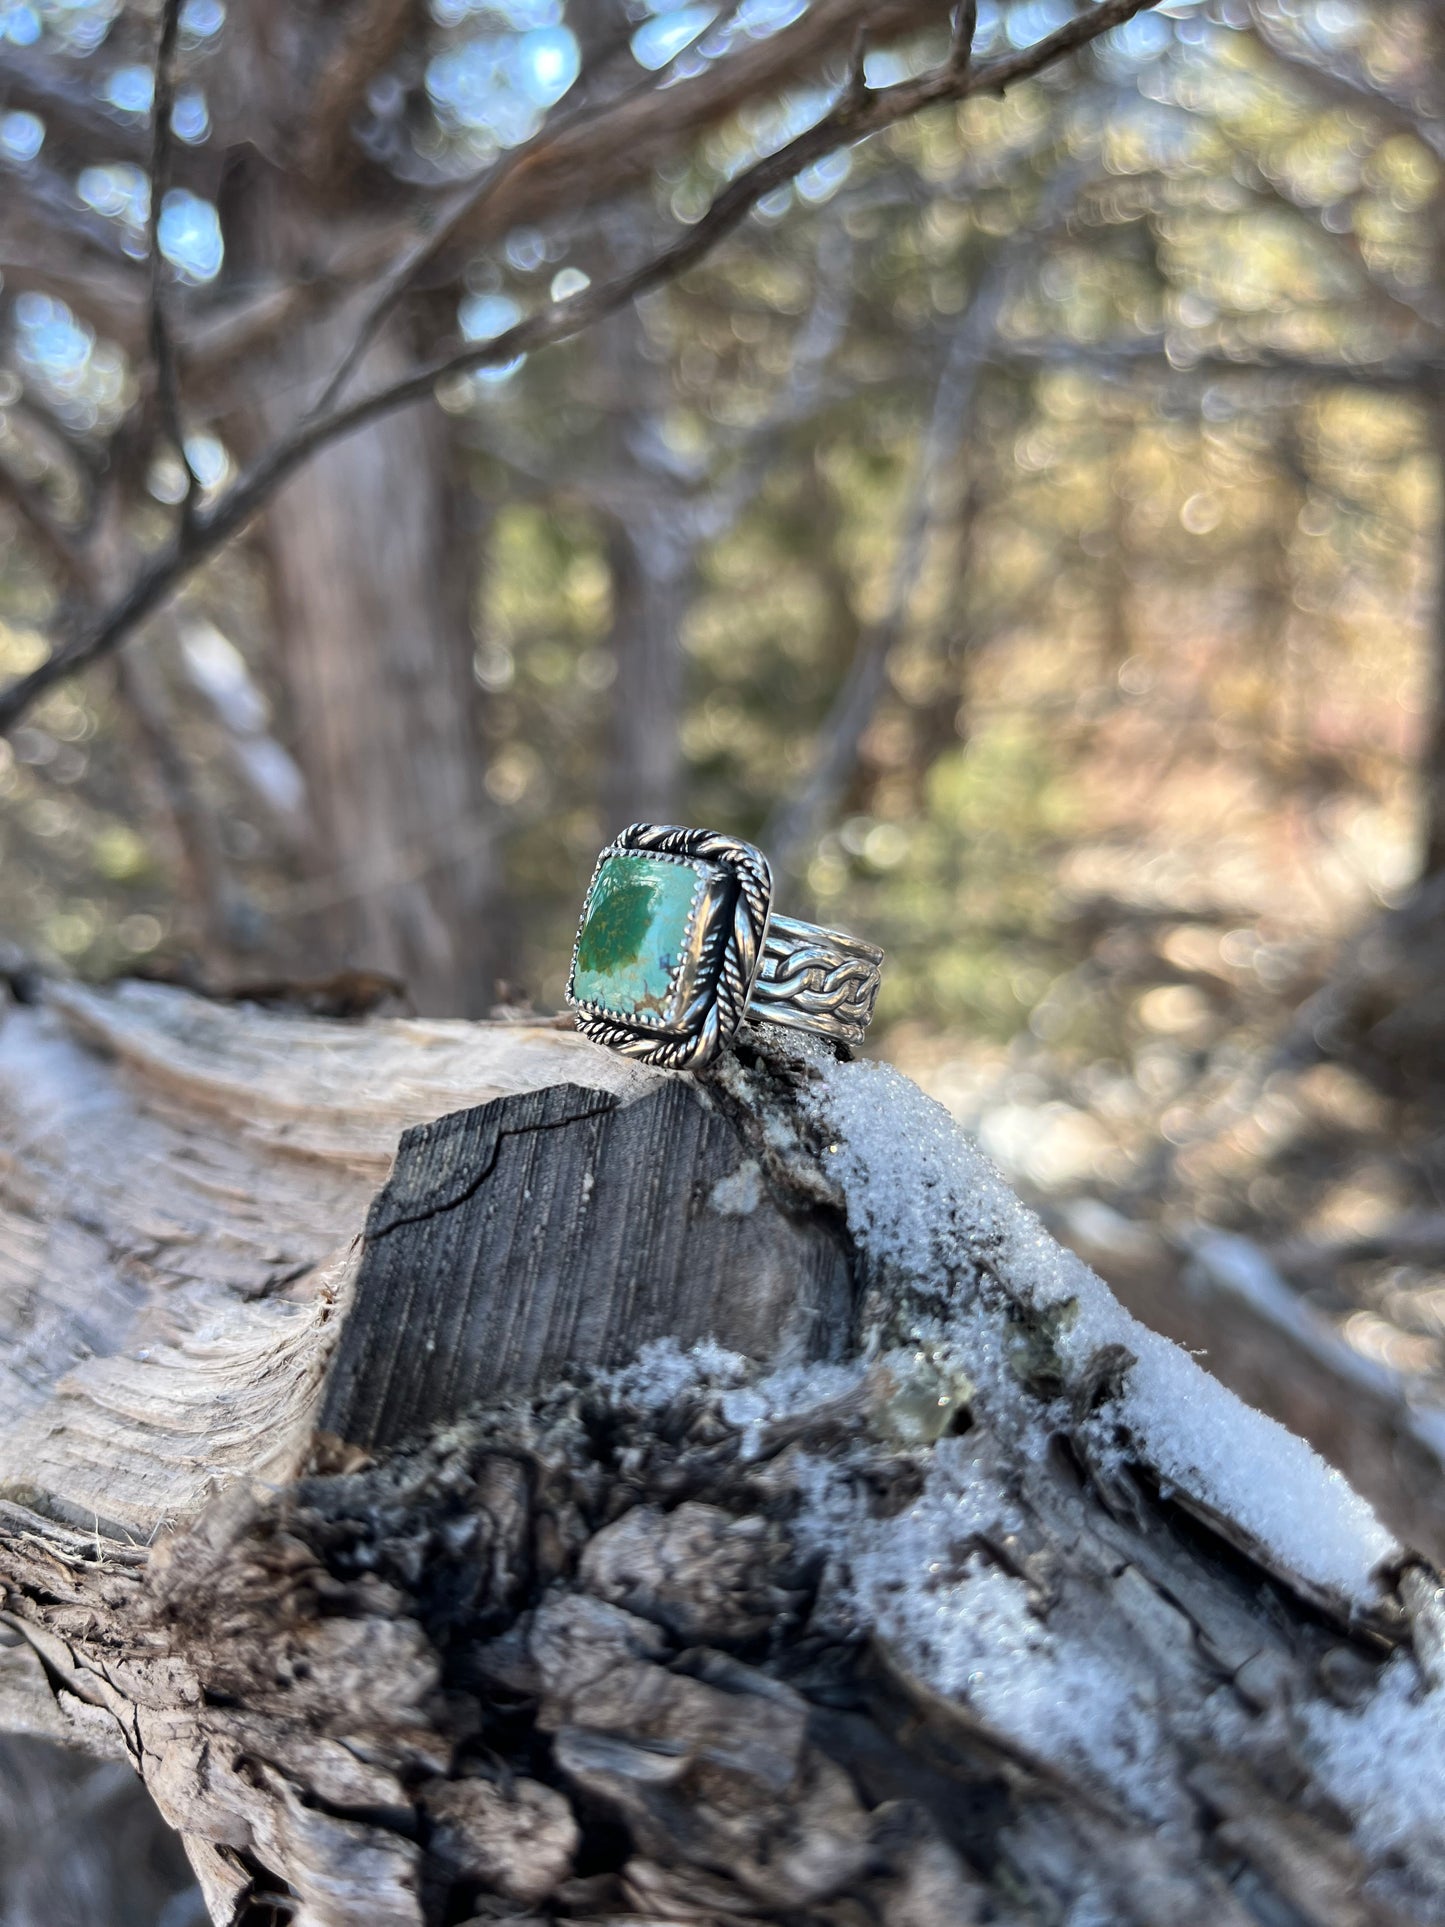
(645, 1499)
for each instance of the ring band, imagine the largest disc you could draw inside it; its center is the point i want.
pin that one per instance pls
(678, 944)
(816, 979)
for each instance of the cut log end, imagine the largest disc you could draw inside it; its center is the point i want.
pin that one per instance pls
(559, 1227)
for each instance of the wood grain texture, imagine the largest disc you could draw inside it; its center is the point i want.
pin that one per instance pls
(555, 1231)
(182, 1190)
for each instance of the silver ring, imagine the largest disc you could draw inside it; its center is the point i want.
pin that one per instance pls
(678, 944)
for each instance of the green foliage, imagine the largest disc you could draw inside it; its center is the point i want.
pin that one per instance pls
(963, 888)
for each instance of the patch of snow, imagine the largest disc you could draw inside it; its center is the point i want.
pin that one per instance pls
(1385, 1764)
(929, 1212)
(782, 1395)
(662, 1371)
(955, 1618)
(927, 1207)
(738, 1194)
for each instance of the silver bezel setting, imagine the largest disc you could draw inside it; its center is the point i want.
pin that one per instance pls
(722, 949)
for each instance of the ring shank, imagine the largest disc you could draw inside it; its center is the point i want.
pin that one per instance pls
(816, 979)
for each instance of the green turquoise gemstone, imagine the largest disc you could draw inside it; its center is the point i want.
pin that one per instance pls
(633, 935)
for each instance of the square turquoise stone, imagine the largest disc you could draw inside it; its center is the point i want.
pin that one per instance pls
(634, 935)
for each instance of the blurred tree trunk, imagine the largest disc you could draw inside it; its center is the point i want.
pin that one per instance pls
(371, 581)
(650, 558)
(1432, 763)
(651, 575)
(371, 574)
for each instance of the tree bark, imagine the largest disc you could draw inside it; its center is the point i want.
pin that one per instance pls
(372, 569)
(900, 1578)
(1432, 761)
(651, 557)
(651, 570)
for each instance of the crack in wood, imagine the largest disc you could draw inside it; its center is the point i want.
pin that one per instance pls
(425, 1146)
(559, 1229)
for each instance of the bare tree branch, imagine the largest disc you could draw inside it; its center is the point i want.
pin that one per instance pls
(444, 223)
(162, 352)
(574, 161)
(577, 164)
(848, 122)
(965, 29)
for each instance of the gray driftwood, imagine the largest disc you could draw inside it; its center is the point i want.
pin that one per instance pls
(560, 1227)
(921, 1590)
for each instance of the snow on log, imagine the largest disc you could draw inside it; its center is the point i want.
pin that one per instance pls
(640, 1498)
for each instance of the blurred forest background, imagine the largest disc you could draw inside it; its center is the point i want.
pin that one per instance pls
(1026, 524)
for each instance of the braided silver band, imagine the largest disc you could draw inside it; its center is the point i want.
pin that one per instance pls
(816, 979)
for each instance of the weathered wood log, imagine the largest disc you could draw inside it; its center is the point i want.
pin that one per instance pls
(689, 1502)
(556, 1227)
(1220, 1296)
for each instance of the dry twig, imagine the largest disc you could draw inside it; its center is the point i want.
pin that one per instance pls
(163, 354)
